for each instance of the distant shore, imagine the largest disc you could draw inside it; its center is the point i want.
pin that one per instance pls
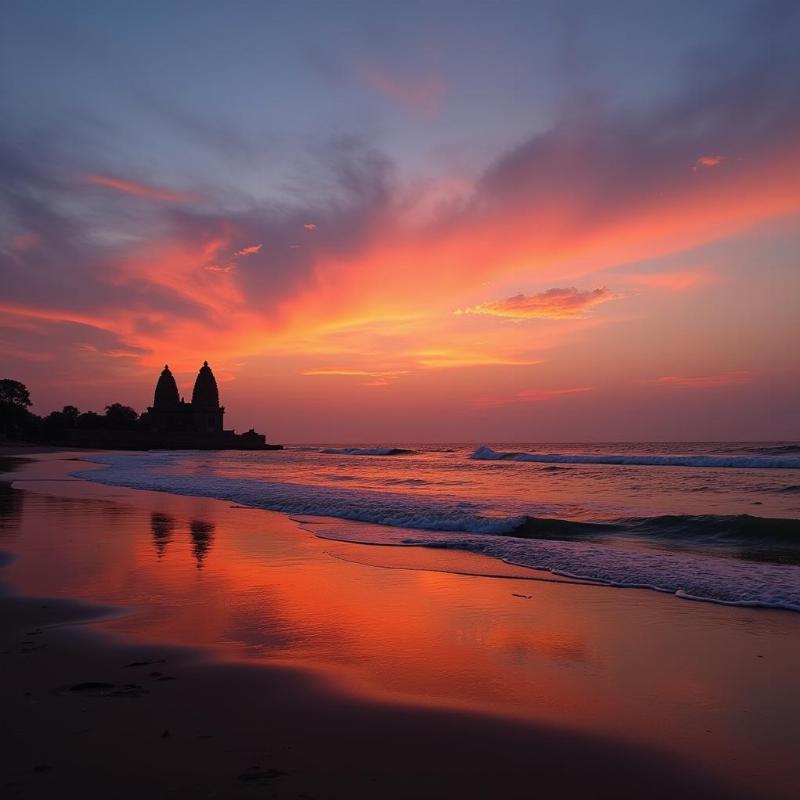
(100, 709)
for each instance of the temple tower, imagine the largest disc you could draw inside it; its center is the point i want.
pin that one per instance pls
(166, 415)
(166, 394)
(206, 409)
(205, 394)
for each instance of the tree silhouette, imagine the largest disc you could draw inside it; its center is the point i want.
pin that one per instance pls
(120, 417)
(56, 423)
(70, 413)
(15, 418)
(14, 393)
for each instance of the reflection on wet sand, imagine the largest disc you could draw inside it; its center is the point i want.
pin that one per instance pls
(634, 664)
(162, 526)
(12, 499)
(202, 537)
(11, 504)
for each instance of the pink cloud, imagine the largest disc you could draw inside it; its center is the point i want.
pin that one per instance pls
(345, 372)
(676, 281)
(249, 251)
(699, 381)
(373, 377)
(422, 95)
(708, 162)
(552, 304)
(529, 396)
(23, 242)
(138, 189)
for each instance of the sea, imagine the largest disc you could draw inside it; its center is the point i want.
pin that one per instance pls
(717, 522)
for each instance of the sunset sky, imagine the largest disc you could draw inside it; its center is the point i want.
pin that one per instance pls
(396, 222)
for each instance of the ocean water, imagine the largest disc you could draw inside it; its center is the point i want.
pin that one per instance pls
(704, 521)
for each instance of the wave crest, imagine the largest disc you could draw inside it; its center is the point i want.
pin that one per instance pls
(367, 451)
(718, 462)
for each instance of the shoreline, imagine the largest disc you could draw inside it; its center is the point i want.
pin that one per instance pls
(329, 741)
(717, 553)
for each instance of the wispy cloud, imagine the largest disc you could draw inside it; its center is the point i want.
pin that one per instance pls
(23, 242)
(249, 251)
(367, 377)
(699, 381)
(529, 396)
(708, 162)
(353, 373)
(138, 189)
(552, 304)
(448, 359)
(676, 281)
(422, 95)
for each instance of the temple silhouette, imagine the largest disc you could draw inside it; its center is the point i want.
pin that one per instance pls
(172, 423)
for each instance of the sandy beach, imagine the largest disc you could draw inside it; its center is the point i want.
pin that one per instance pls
(181, 646)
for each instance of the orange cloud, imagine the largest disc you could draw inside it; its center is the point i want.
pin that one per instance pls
(453, 358)
(344, 372)
(708, 162)
(138, 189)
(699, 381)
(58, 315)
(422, 95)
(204, 305)
(675, 281)
(456, 258)
(23, 242)
(374, 377)
(249, 251)
(310, 226)
(528, 396)
(552, 304)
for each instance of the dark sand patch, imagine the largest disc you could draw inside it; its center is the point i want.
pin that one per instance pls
(231, 730)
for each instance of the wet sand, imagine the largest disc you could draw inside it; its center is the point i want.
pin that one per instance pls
(237, 655)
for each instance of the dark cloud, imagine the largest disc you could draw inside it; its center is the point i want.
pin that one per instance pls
(601, 159)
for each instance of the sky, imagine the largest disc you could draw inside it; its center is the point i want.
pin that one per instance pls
(404, 222)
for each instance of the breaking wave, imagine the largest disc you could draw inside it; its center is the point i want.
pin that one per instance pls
(367, 451)
(707, 461)
(776, 450)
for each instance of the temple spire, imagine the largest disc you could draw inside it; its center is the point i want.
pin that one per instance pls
(166, 394)
(205, 394)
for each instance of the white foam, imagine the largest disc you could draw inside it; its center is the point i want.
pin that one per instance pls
(366, 451)
(707, 461)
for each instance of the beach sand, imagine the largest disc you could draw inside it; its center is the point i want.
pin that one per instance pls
(190, 648)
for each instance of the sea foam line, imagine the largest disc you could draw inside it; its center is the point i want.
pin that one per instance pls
(722, 462)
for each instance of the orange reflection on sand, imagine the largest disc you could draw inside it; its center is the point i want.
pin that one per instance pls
(248, 583)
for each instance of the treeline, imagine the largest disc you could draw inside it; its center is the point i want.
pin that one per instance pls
(18, 423)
